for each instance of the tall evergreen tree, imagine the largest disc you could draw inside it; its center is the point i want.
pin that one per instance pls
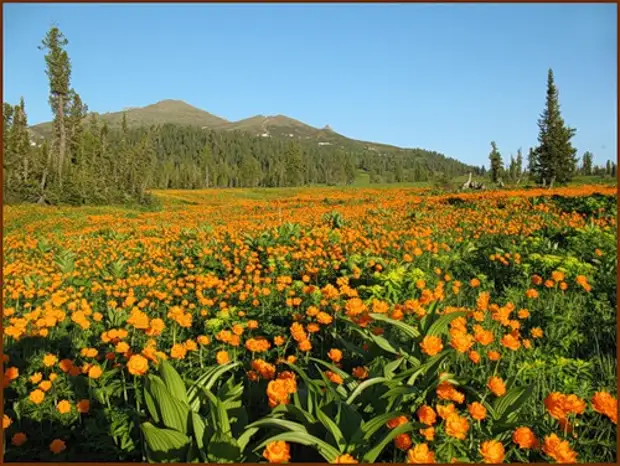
(586, 166)
(496, 163)
(58, 69)
(555, 156)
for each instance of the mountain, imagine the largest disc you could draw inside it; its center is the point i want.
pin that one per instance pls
(276, 126)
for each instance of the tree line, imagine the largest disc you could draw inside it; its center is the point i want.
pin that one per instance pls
(554, 159)
(86, 162)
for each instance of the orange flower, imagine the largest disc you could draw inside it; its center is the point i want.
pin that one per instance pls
(279, 341)
(6, 421)
(474, 283)
(444, 411)
(494, 355)
(510, 342)
(559, 450)
(536, 332)
(531, 293)
(277, 452)
(178, 351)
(344, 459)
(461, 342)
(431, 345)
(137, 365)
(37, 396)
(257, 345)
(420, 454)
(474, 356)
(428, 433)
(203, 340)
(492, 451)
(360, 373)
(456, 426)
(57, 446)
(19, 439)
(525, 438)
(95, 372)
(49, 360)
(222, 357)
(426, 415)
(305, 346)
(36, 377)
(333, 377)
(279, 390)
(397, 421)
(477, 411)
(335, 355)
(497, 386)
(63, 407)
(83, 406)
(403, 442)
(604, 403)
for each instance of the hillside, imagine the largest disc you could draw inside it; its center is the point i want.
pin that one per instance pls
(279, 126)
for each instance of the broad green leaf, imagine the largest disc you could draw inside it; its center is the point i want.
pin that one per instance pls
(333, 429)
(408, 330)
(223, 448)
(150, 403)
(173, 381)
(174, 413)
(164, 445)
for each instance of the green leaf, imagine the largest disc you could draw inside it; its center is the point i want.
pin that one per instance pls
(198, 430)
(363, 386)
(374, 452)
(173, 381)
(369, 428)
(280, 424)
(164, 445)
(333, 429)
(388, 370)
(324, 449)
(428, 370)
(223, 448)
(174, 413)
(440, 326)
(150, 403)
(512, 401)
(350, 381)
(408, 330)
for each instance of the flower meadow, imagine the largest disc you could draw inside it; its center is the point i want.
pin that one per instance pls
(314, 325)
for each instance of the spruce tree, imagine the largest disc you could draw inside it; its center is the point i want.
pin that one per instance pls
(586, 167)
(496, 163)
(58, 70)
(555, 156)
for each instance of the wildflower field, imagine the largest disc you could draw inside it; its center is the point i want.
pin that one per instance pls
(330, 325)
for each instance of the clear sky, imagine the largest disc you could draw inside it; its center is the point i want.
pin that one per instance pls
(444, 77)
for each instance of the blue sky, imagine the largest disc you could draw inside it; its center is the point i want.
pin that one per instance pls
(444, 77)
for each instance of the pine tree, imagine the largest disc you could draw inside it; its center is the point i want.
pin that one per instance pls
(586, 167)
(58, 69)
(496, 163)
(555, 156)
(519, 167)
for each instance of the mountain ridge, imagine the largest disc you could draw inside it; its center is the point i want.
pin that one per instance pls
(174, 111)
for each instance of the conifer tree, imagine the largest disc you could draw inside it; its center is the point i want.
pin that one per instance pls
(555, 157)
(496, 163)
(586, 167)
(58, 70)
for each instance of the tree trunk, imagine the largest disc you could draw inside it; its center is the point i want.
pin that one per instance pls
(62, 142)
(551, 184)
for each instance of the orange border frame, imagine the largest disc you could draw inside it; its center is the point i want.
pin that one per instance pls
(254, 2)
